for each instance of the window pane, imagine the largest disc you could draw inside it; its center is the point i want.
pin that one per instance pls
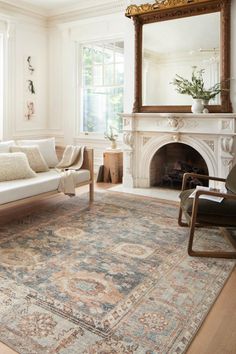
(101, 108)
(108, 55)
(98, 55)
(88, 76)
(108, 74)
(119, 70)
(97, 75)
(87, 56)
(119, 57)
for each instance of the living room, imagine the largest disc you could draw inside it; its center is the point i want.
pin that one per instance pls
(71, 71)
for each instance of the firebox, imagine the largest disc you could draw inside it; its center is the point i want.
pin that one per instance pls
(171, 161)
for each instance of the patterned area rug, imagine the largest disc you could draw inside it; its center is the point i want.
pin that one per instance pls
(112, 278)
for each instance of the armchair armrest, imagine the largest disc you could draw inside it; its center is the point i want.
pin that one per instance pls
(195, 175)
(210, 193)
(215, 194)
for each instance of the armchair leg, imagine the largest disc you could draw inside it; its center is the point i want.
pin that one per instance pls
(212, 254)
(180, 222)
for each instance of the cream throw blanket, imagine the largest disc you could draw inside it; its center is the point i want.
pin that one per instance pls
(72, 161)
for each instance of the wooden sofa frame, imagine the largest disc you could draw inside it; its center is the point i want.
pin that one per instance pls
(88, 164)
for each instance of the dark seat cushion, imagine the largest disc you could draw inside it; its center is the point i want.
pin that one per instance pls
(231, 180)
(223, 213)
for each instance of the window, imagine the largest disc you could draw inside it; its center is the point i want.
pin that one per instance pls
(102, 86)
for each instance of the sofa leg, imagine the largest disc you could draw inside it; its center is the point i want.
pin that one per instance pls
(91, 192)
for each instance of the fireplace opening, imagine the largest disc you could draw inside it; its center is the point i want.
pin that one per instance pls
(171, 162)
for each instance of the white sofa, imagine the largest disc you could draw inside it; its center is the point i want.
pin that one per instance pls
(45, 183)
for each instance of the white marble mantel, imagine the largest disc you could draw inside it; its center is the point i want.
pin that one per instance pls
(212, 135)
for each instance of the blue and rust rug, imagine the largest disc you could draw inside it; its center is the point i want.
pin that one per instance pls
(112, 278)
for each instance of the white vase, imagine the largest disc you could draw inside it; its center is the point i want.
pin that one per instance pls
(205, 103)
(113, 144)
(197, 106)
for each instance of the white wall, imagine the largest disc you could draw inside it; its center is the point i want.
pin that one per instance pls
(24, 37)
(31, 41)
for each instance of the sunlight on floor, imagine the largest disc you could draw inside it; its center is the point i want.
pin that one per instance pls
(160, 193)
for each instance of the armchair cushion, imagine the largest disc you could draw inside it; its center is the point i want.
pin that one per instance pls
(231, 180)
(223, 213)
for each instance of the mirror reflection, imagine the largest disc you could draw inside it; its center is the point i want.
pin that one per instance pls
(175, 47)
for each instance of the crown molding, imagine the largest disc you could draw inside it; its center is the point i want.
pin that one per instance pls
(10, 11)
(36, 15)
(79, 13)
(64, 14)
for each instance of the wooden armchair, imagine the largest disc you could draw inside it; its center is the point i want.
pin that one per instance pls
(204, 212)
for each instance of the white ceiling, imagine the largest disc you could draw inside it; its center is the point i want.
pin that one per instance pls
(46, 4)
(52, 7)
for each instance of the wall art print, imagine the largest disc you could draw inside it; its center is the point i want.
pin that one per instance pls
(30, 87)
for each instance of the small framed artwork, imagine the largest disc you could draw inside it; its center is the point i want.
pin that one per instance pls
(30, 87)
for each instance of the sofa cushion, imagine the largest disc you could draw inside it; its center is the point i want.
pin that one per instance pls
(46, 147)
(34, 156)
(14, 166)
(43, 183)
(5, 145)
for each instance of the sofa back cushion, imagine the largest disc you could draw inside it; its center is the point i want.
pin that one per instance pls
(34, 156)
(15, 166)
(46, 147)
(5, 145)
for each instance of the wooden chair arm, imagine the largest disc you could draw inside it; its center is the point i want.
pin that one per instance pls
(204, 192)
(195, 175)
(215, 194)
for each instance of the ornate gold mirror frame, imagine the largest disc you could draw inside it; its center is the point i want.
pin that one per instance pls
(163, 10)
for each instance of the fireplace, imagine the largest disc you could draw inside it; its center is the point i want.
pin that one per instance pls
(171, 161)
(208, 139)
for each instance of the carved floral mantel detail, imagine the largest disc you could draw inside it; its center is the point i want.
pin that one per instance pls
(227, 144)
(212, 135)
(128, 139)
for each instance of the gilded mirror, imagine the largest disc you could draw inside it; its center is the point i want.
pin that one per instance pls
(174, 37)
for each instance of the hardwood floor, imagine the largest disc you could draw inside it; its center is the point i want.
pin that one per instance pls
(217, 334)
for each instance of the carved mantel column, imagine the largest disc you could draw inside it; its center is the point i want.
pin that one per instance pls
(128, 159)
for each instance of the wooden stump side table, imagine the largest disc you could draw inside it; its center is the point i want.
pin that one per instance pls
(113, 166)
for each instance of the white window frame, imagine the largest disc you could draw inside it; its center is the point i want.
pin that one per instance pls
(79, 104)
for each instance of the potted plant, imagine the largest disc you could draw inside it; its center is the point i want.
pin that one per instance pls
(195, 88)
(110, 135)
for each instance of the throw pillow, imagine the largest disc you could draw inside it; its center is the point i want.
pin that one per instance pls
(5, 145)
(34, 156)
(15, 166)
(46, 147)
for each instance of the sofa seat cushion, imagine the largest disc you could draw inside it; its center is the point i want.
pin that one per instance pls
(223, 213)
(44, 182)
